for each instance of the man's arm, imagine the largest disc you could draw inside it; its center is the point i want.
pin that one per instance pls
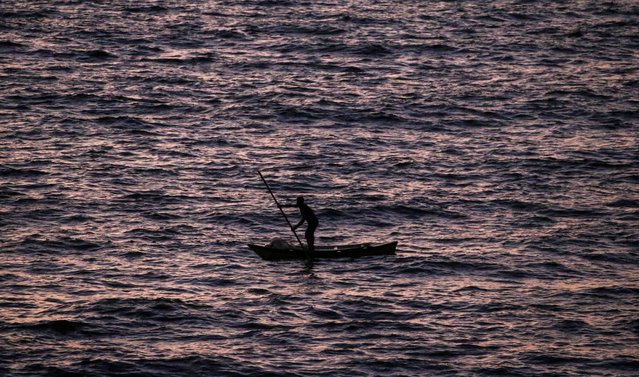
(299, 224)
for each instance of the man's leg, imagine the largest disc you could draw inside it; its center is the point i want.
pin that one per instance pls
(310, 240)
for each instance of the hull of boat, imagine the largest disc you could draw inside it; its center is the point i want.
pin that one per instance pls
(345, 251)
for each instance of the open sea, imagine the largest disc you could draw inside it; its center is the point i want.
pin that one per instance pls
(497, 141)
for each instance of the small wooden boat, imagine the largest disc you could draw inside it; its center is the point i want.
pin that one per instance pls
(344, 251)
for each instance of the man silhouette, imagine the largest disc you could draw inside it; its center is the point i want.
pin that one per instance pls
(309, 216)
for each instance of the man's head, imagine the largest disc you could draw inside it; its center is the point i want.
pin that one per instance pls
(300, 200)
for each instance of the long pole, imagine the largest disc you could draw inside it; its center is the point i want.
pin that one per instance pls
(281, 210)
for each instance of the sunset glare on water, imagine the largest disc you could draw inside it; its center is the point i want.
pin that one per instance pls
(494, 141)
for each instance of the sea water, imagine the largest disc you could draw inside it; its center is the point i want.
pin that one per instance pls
(496, 141)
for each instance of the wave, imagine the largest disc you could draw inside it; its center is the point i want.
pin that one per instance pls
(43, 13)
(35, 243)
(95, 55)
(554, 359)
(624, 203)
(145, 9)
(409, 211)
(153, 196)
(620, 363)
(61, 327)
(572, 326)
(189, 365)
(612, 292)
(372, 50)
(203, 58)
(8, 171)
(10, 45)
(149, 309)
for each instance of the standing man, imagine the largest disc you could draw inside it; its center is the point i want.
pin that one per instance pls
(309, 216)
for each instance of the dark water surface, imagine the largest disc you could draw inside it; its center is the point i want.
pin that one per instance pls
(495, 140)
